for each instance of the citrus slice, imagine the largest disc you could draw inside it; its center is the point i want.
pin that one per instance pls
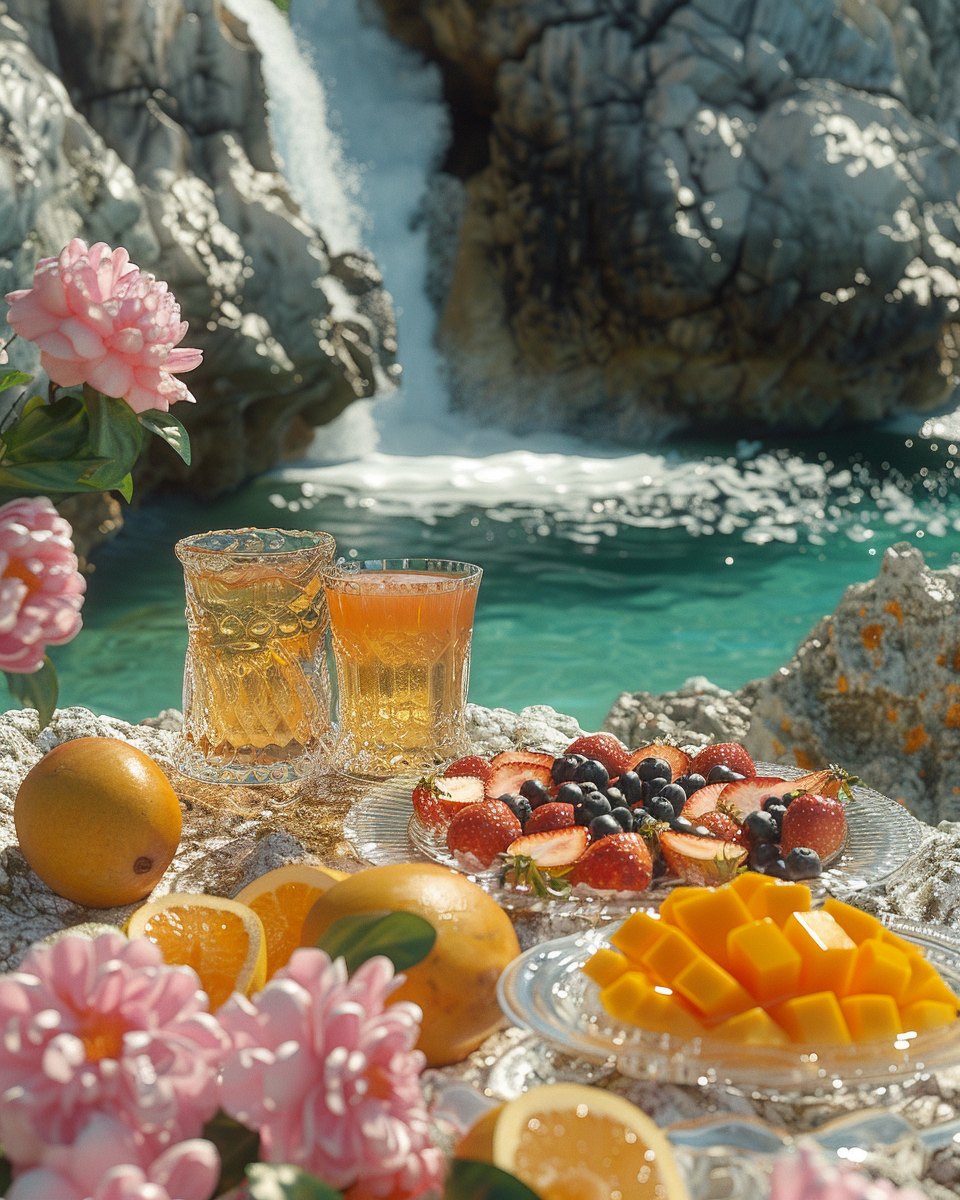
(222, 940)
(568, 1141)
(282, 899)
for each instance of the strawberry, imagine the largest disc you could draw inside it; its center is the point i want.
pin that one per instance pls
(679, 762)
(484, 830)
(605, 748)
(731, 754)
(702, 801)
(831, 782)
(618, 863)
(552, 848)
(530, 758)
(724, 827)
(437, 801)
(549, 816)
(508, 777)
(472, 764)
(817, 822)
(746, 795)
(705, 861)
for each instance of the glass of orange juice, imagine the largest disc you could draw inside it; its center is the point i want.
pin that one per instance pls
(401, 631)
(256, 692)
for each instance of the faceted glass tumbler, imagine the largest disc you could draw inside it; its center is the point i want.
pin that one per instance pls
(256, 692)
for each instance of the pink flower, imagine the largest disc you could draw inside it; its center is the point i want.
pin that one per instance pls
(108, 1162)
(810, 1175)
(330, 1078)
(41, 590)
(99, 320)
(103, 1026)
(4, 358)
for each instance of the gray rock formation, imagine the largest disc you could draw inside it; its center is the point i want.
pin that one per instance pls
(697, 713)
(696, 212)
(144, 124)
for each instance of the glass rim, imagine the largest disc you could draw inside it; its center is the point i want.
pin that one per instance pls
(345, 569)
(190, 546)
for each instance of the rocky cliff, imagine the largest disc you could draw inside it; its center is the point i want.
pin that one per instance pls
(145, 124)
(681, 213)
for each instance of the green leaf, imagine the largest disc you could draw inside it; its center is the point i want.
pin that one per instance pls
(47, 431)
(469, 1180)
(37, 690)
(125, 487)
(115, 432)
(267, 1181)
(405, 938)
(237, 1146)
(11, 377)
(169, 428)
(56, 478)
(6, 1175)
(32, 403)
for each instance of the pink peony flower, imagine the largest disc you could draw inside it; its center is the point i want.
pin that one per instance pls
(103, 1026)
(329, 1076)
(108, 1162)
(99, 320)
(41, 590)
(810, 1175)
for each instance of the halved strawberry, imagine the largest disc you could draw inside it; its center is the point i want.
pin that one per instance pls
(703, 801)
(550, 816)
(724, 827)
(730, 754)
(532, 758)
(700, 860)
(620, 863)
(437, 801)
(605, 748)
(679, 762)
(746, 795)
(551, 848)
(471, 764)
(483, 830)
(506, 778)
(830, 783)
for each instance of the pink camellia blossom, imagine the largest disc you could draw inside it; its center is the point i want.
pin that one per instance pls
(101, 1025)
(810, 1175)
(99, 320)
(330, 1078)
(41, 589)
(108, 1162)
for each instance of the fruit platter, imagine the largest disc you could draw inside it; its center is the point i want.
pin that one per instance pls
(602, 829)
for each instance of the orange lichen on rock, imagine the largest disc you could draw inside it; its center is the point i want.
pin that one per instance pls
(916, 737)
(951, 718)
(894, 609)
(804, 761)
(842, 684)
(870, 635)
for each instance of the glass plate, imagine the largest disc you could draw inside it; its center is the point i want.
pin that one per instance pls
(544, 990)
(382, 828)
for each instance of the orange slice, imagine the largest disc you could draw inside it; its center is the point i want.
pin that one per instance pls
(568, 1141)
(282, 899)
(222, 940)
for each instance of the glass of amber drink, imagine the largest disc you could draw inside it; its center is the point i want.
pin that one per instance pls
(401, 632)
(256, 692)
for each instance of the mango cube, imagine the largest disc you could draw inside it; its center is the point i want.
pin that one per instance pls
(675, 897)
(779, 900)
(859, 925)
(927, 1014)
(879, 968)
(747, 883)
(637, 934)
(621, 999)
(711, 989)
(908, 948)
(660, 1010)
(871, 1016)
(755, 1027)
(763, 960)
(814, 1018)
(927, 984)
(669, 955)
(828, 952)
(605, 966)
(707, 917)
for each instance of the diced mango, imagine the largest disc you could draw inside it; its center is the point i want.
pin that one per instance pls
(747, 883)
(637, 934)
(858, 924)
(673, 898)
(927, 984)
(711, 990)
(871, 1016)
(660, 1010)
(763, 960)
(927, 1014)
(605, 966)
(778, 900)
(622, 998)
(814, 1018)
(669, 955)
(879, 968)
(707, 917)
(755, 1027)
(908, 948)
(828, 952)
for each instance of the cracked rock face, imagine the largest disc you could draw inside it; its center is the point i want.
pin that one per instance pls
(144, 124)
(703, 212)
(695, 714)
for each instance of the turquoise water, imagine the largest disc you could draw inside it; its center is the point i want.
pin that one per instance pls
(580, 600)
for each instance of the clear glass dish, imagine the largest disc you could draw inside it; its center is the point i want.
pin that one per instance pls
(383, 828)
(545, 990)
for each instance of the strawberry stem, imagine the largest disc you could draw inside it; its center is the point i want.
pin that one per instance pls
(520, 870)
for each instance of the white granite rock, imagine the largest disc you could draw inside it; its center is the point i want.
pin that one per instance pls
(696, 713)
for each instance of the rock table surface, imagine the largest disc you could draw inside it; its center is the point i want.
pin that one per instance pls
(233, 835)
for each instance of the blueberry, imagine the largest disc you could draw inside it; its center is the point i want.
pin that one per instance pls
(703, 831)
(593, 805)
(654, 768)
(660, 809)
(676, 795)
(778, 869)
(692, 783)
(651, 787)
(632, 787)
(569, 793)
(681, 825)
(616, 798)
(778, 812)
(603, 826)
(763, 855)
(768, 800)
(588, 787)
(564, 767)
(641, 818)
(803, 863)
(624, 816)
(762, 827)
(591, 771)
(721, 773)
(519, 806)
(789, 798)
(535, 792)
